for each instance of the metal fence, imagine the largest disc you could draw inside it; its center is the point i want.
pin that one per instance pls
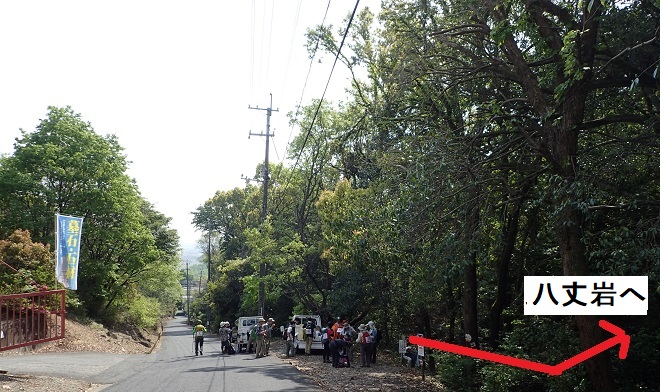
(31, 318)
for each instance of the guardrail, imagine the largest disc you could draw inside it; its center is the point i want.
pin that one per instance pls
(31, 318)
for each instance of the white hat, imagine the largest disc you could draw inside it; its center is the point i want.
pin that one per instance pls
(361, 327)
(371, 323)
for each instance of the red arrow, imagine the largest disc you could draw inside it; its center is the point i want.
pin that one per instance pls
(619, 337)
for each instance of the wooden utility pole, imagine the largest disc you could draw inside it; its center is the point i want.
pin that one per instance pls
(187, 294)
(264, 206)
(208, 277)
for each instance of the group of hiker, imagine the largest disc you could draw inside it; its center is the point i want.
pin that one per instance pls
(260, 336)
(339, 338)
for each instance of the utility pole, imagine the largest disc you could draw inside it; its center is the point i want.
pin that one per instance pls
(264, 206)
(187, 293)
(208, 277)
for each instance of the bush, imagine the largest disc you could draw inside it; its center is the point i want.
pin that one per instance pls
(26, 266)
(541, 340)
(142, 312)
(457, 372)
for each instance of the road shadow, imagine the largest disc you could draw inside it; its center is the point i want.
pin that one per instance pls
(176, 327)
(278, 371)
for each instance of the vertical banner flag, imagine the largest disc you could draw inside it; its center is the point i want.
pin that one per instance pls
(67, 248)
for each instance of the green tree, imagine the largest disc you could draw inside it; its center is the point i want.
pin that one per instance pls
(487, 141)
(64, 166)
(495, 126)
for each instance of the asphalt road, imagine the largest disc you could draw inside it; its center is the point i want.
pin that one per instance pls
(174, 367)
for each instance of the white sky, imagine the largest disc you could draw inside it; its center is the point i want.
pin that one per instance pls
(172, 79)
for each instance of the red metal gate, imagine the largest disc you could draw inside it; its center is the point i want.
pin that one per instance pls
(31, 318)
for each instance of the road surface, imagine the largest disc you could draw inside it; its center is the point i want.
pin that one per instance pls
(174, 367)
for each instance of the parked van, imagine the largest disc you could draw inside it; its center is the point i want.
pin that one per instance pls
(301, 319)
(243, 327)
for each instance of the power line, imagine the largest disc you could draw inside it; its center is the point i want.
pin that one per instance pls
(293, 38)
(270, 41)
(261, 51)
(309, 71)
(318, 107)
(302, 93)
(286, 75)
(254, 11)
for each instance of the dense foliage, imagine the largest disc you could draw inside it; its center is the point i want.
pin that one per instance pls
(481, 141)
(128, 271)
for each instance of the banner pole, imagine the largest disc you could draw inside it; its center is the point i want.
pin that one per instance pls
(56, 241)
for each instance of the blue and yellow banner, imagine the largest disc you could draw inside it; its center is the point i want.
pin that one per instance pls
(67, 247)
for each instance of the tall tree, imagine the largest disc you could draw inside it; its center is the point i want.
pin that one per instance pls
(64, 166)
(546, 74)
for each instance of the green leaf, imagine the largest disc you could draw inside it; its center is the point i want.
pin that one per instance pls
(591, 4)
(634, 83)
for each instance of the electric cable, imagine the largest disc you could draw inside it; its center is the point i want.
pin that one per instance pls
(302, 94)
(318, 107)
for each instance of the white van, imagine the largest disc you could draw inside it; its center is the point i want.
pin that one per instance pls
(243, 326)
(317, 344)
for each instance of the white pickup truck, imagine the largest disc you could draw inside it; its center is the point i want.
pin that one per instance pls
(243, 326)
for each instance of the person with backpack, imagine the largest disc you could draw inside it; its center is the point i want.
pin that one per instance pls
(259, 331)
(309, 329)
(338, 349)
(225, 337)
(198, 335)
(364, 340)
(326, 336)
(291, 339)
(350, 335)
(270, 324)
(374, 340)
(250, 339)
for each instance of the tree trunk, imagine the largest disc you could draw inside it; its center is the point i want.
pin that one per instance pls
(559, 141)
(503, 282)
(470, 230)
(453, 301)
(574, 262)
(470, 325)
(569, 227)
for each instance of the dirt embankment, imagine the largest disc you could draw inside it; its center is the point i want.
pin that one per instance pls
(80, 337)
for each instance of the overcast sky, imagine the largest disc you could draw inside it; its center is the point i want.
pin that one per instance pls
(172, 79)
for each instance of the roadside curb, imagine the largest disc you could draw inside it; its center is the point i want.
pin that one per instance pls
(160, 333)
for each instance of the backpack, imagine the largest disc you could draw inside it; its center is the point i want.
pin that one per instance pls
(366, 338)
(309, 329)
(199, 331)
